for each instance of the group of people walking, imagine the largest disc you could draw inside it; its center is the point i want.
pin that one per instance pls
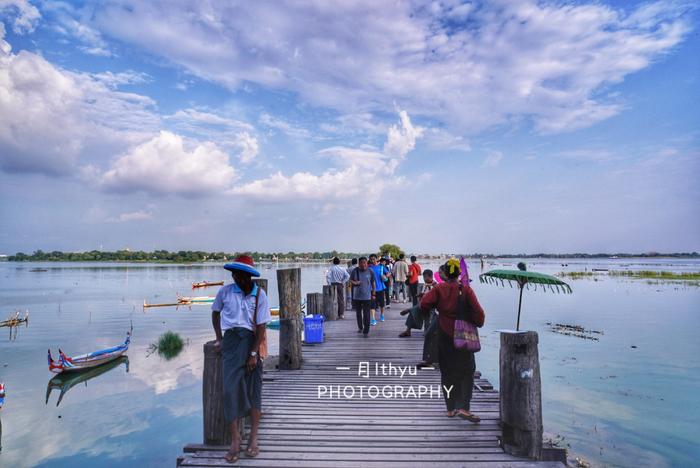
(370, 284)
(241, 311)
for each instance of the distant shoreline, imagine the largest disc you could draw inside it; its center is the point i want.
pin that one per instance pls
(190, 257)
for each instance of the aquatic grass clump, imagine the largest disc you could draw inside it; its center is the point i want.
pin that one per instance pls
(577, 274)
(662, 275)
(169, 345)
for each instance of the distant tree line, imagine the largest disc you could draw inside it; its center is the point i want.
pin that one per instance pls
(196, 256)
(182, 256)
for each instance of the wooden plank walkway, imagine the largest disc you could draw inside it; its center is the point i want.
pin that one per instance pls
(300, 430)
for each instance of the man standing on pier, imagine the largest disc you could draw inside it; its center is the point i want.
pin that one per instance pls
(363, 293)
(400, 273)
(337, 277)
(414, 272)
(239, 316)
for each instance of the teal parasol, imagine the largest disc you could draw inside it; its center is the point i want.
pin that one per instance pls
(524, 279)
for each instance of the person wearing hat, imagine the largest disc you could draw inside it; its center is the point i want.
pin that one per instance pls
(457, 365)
(239, 316)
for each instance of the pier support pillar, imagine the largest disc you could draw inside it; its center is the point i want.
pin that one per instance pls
(520, 394)
(289, 285)
(314, 303)
(330, 302)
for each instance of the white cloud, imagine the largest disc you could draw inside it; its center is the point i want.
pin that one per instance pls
(129, 77)
(165, 165)
(249, 147)
(72, 21)
(364, 174)
(284, 126)
(470, 66)
(24, 15)
(139, 215)
(227, 132)
(493, 159)
(50, 117)
(193, 116)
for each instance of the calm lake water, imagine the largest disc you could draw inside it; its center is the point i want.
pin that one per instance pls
(614, 404)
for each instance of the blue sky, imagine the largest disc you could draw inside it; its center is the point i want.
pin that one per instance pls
(439, 126)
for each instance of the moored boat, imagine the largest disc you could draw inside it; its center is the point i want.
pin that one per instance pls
(195, 299)
(206, 284)
(16, 320)
(87, 361)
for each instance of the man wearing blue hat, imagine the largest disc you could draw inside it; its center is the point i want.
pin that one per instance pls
(239, 315)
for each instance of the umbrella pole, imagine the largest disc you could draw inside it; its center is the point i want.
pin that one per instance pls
(520, 303)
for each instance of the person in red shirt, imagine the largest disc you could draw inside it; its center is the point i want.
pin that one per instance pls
(457, 366)
(414, 272)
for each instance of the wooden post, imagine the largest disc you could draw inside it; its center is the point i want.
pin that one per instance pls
(314, 303)
(216, 431)
(521, 394)
(289, 286)
(330, 302)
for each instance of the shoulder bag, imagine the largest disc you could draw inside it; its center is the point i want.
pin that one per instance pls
(466, 335)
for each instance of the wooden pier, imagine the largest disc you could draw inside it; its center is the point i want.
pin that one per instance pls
(301, 429)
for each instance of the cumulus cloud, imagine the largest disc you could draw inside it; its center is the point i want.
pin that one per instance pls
(24, 15)
(229, 133)
(363, 174)
(471, 66)
(166, 164)
(49, 116)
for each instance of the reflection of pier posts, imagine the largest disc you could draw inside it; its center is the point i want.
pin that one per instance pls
(216, 431)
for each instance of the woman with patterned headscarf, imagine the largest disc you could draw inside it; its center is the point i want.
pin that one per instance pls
(457, 366)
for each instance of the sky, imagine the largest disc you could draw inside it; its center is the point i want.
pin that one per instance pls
(500, 126)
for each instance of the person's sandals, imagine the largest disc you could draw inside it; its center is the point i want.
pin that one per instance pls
(252, 452)
(231, 456)
(405, 334)
(451, 414)
(468, 416)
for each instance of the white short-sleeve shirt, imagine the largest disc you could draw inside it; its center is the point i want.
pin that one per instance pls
(237, 309)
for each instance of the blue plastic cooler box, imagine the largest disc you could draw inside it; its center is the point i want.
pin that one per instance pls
(313, 329)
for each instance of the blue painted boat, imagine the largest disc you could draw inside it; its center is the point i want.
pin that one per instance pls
(87, 361)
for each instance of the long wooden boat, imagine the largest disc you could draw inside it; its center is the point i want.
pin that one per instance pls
(16, 320)
(206, 284)
(87, 361)
(195, 299)
(64, 382)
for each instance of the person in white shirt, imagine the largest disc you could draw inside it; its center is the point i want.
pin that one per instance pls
(239, 316)
(337, 276)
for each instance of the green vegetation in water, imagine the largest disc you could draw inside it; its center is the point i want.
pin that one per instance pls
(658, 275)
(577, 274)
(169, 345)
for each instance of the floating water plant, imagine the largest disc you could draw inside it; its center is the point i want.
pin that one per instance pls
(169, 345)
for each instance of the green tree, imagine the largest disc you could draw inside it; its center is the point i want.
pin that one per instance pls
(392, 250)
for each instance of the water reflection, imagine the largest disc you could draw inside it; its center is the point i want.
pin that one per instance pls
(64, 382)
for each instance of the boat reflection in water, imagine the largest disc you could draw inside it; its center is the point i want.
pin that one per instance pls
(66, 381)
